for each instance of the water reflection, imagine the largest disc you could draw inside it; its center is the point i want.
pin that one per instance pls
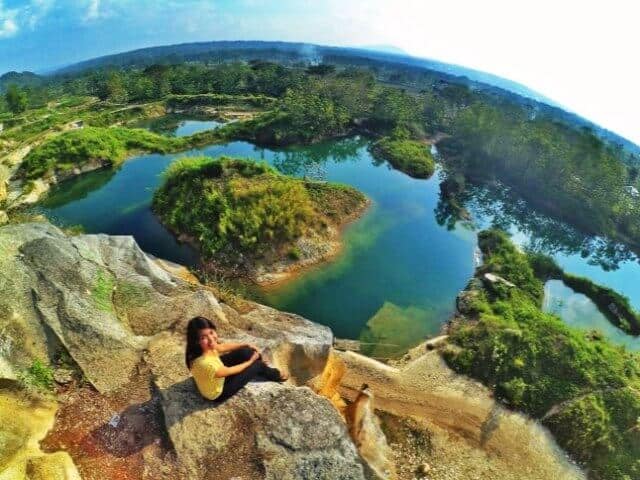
(578, 311)
(78, 188)
(176, 125)
(497, 206)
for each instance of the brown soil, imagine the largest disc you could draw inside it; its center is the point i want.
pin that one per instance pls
(113, 437)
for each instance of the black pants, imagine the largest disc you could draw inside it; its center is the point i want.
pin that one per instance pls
(257, 370)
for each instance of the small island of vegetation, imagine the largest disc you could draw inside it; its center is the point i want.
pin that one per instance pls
(409, 156)
(248, 220)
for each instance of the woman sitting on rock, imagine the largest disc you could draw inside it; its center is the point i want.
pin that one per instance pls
(221, 369)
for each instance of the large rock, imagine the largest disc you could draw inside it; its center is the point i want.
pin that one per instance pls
(99, 297)
(279, 431)
(421, 386)
(294, 343)
(117, 311)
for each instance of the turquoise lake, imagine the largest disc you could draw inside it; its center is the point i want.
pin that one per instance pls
(400, 269)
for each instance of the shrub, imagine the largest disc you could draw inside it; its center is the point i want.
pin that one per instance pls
(408, 156)
(77, 147)
(235, 204)
(38, 377)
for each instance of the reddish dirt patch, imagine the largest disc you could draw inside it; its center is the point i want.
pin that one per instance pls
(119, 436)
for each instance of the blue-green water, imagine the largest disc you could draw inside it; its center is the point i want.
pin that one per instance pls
(178, 125)
(400, 270)
(579, 311)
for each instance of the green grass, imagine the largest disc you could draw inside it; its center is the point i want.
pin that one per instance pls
(78, 147)
(535, 362)
(38, 377)
(239, 205)
(102, 291)
(408, 156)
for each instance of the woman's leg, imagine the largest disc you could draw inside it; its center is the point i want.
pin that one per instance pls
(233, 383)
(258, 369)
(236, 357)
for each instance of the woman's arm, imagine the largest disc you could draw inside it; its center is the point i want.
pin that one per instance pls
(228, 347)
(227, 371)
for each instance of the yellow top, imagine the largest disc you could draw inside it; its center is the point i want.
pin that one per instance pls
(203, 370)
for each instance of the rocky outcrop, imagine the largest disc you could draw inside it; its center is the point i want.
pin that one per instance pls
(119, 313)
(98, 297)
(23, 423)
(279, 431)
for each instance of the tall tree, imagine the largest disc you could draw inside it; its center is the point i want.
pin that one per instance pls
(16, 99)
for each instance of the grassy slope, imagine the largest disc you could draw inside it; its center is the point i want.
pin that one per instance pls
(586, 390)
(78, 147)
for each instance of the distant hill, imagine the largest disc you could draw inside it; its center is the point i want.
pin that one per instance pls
(23, 79)
(292, 53)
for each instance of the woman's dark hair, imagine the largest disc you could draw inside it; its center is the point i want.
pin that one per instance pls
(193, 341)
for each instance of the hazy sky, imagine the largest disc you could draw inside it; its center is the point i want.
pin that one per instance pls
(582, 54)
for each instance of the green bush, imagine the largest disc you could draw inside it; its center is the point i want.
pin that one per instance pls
(77, 147)
(504, 259)
(408, 156)
(38, 377)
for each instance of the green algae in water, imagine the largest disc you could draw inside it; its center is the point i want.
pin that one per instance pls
(392, 330)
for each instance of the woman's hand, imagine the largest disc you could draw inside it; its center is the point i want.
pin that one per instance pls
(254, 357)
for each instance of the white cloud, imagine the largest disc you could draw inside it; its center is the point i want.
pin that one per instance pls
(36, 11)
(579, 53)
(11, 20)
(8, 25)
(93, 10)
(8, 28)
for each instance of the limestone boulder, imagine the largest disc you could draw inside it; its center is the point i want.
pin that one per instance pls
(100, 298)
(279, 431)
(294, 343)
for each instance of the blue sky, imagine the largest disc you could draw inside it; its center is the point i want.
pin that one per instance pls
(582, 54)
